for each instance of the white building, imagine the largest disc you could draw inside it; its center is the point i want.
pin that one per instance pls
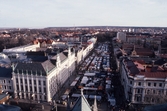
(22, 49)
(121, 36)
(41, 81)
(143, 83)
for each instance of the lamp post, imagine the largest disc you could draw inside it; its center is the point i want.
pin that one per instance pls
(42, 104)
(19, 95)
(31, 97)
(55, 105)
(68, 104)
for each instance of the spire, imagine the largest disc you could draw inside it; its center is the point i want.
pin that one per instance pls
(13, 67)
(81, 92)
(81, 104)
(31, 72)
(95, 105)
(58, 60)
(134, 51)
(69, 51)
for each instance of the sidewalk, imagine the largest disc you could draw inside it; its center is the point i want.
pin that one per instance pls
(64, 87)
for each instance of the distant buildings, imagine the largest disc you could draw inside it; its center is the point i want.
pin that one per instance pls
(143, 69)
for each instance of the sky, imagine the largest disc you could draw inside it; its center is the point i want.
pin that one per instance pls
(65, 13)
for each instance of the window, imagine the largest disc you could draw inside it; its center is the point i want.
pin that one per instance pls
(138, 90)
(35, 88)
(35, 96)
(23, 95)
(130, 82)
(4, 81)
(25, 81)
(152, 100)
(26, 95)
(10, 87)
(139, 83)
(160, 84)
(26, 88)
(153, 91)
(155, 84)
(16, 80)
(34, 82)
(29, 81)
(149, 84)
(21, 81)
(44, 89)
(39, 82)
(44, 83)
(21, 87)
(30, 88)
(148, 91)
(9, 81)
(17, 87)
(39, 89)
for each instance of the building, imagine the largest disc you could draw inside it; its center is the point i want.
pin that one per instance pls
(22, 49)
(3, 96)
(40, 81)
(121, 36)
(6, 79)
(83, 105)
(144, 83)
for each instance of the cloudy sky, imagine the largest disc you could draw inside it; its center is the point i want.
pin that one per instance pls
(55, 13)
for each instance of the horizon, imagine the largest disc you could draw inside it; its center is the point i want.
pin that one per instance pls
(77, 13)
(82, 27)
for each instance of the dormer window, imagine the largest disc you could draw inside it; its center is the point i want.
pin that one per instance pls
(139, 83)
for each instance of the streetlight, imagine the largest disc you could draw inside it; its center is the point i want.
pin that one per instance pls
(20, 95)
(42, 104)
(68, 104)
(31, 97)
(55, 105)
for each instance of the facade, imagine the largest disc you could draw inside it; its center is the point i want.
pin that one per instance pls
(87, 49)
(121, 36)
(143, 83)
(79, 55)
(41, 81)
(6, 79)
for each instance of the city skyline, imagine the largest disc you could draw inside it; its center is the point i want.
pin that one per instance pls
(59, 13)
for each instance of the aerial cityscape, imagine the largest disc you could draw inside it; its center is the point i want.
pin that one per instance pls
(83, 55)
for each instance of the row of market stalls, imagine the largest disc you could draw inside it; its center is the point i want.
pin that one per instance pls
(95, 79)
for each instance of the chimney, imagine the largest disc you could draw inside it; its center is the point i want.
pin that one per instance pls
(145, 68)
(153, 63)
